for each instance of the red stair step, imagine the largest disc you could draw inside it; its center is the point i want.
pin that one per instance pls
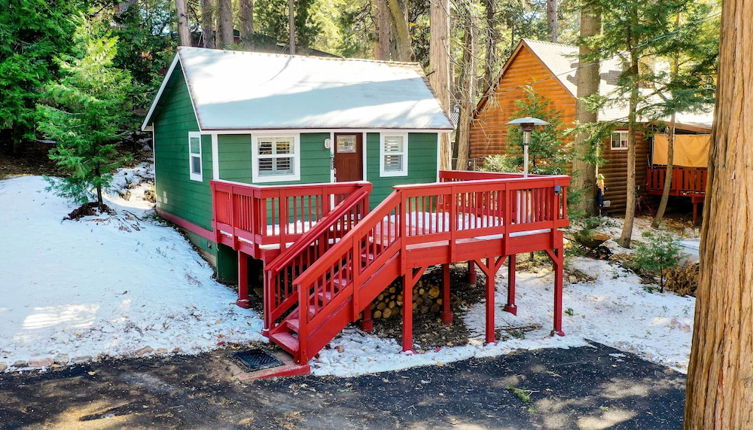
(287, 341)
(293, 324)
(324, 296)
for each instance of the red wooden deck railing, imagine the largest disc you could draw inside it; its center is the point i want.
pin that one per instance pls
(686, 181)
(367, 259)
(280, 294)
(251, 216)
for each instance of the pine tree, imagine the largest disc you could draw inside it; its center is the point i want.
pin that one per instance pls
(547, 152)
(32, 32)
(634, 31)
(85, 111)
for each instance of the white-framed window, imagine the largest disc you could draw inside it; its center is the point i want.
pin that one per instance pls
(393, 154)
(275, 158)
(619, 140)
(194, 156)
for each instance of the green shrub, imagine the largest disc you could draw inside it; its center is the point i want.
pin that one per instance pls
(500, 163)
(657, 254)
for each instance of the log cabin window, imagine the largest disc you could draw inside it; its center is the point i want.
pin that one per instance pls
(276, 158)
(194, 156)
(619, 140)
(393, 155)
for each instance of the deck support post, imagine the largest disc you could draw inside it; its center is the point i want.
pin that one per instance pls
(367, 324)
(410, 278)
(559, 267)
(695, 201)
(510, 306)
(490, 268)
(491, 336)
(407, 314)
(243, 300)
(471, 272)
(446, 309)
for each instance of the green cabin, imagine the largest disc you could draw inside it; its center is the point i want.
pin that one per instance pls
(270, 120)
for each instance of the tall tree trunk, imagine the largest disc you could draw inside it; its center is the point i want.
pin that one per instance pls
(207, 23)
(400, 31)
(467, 103)
(675, 68)
(383, 30)
(439, 61)
(492, 38)
(185, 35)
(668, 176)
(551, 18)
(627, 228)
(246, 18)
(588, 80)
(226, 23)
(100, 200)
(720, 375)
(291, 26)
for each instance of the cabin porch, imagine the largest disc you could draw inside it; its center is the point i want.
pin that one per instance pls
(322, 247)
(686, 182)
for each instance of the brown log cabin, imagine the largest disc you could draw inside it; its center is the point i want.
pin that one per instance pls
(550, 69)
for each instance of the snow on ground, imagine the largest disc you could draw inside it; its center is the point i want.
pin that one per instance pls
(105, 285)
(689, 236)
(614, 310)
(112, 285)
(133, 183)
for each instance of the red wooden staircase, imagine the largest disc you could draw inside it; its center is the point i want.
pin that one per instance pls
(326, 277)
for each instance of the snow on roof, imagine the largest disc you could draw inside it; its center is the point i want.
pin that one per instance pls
(236, 90)
(562, 61)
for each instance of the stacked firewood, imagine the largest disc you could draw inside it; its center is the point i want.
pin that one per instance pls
(389, 304)
(683, 280)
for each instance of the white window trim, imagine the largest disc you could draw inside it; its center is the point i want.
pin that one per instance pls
(195, 176)
(611, 142)
(404, 170)
(295, 176)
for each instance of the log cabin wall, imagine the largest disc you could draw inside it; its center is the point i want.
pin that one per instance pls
(489, 127)
(615, 172)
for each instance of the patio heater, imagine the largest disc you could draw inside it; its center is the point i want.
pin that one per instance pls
(527, 125)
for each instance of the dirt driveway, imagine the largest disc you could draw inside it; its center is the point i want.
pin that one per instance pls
(590, 387)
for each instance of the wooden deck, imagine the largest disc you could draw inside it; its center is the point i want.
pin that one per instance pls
(686, 182)
(324, 249)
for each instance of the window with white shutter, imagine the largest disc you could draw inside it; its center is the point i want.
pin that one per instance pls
(393, 155)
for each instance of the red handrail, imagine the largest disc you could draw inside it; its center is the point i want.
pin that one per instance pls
(320, 227)
(280, 292)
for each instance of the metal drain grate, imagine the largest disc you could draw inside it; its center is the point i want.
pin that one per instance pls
(257, 359)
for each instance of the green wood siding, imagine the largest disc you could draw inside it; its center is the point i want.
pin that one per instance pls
(176, 193)
(235, 159)
(422, 164)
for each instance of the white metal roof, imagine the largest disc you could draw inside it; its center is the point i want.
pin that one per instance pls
(236, 90)
(562, 60)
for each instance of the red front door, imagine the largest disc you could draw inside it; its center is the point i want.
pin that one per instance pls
(348, 157)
